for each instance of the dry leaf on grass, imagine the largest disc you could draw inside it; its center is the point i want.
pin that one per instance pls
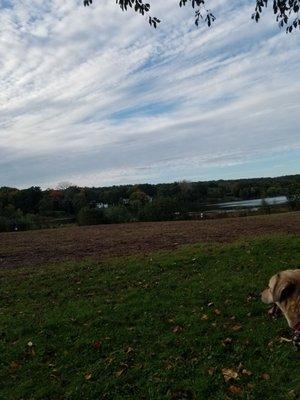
(121, 371)
(129, 350)
(246, 372)
(226, 342)
(177, 329)
(87, 376)
(236, 328)
(14, 366)
(229, 374)
(235, 389)
(97, 344)
(292, 393)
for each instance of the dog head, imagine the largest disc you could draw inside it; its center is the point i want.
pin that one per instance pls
(284, 290)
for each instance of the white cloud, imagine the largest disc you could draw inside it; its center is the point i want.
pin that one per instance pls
(95, 96)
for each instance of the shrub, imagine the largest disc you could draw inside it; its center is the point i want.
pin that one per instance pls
(4, 224)
(90, 216)
(118, 214)
(27, 222)
(160, 209)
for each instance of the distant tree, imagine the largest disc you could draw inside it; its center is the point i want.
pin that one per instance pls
(138, 196)
(28, 200)
(64, 185)
(79, 201)
(4, 224)
(118, 214)
(286, 11)
(32, 208)
(160, 209)
(46, 205)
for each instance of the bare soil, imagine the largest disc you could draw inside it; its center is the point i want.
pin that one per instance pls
(49, 246)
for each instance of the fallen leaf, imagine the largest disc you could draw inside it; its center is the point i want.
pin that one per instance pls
(211, 371)
(246, 372)
(236, 328)
(109, 360)
(217, 312)
(292, 393)
(235, 389)
(265, 377)
(97, 344)
(14, 366)
(177, 329)
(169, 366)
(87, 376)
(226, 342)
(129, 350)
(204, 317)
(156, 378)
(240, 368)
(138, 366)
(120, 372)
(229, 374)
(283, 339)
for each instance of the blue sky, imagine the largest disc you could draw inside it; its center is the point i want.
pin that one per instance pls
(94, 96)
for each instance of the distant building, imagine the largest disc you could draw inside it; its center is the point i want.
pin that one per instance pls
(101, 205)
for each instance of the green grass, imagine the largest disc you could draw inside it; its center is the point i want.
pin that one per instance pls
(133, 328)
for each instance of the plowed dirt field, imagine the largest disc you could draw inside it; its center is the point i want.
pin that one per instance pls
(35, 248)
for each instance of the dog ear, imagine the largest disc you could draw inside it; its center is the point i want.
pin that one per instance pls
(283, 290)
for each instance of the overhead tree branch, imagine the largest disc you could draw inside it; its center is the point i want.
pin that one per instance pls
(286, 11)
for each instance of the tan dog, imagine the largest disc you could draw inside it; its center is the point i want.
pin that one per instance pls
(284, 290)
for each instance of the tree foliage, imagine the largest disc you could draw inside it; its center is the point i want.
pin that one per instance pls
(286, 11)
(35, 208)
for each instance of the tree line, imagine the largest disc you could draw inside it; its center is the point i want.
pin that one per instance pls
(32, 208)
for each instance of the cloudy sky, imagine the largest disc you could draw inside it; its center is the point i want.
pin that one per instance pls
(95, 96)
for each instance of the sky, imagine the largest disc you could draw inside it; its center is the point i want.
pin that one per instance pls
(97, 97)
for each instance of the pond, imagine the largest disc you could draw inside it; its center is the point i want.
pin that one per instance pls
(253, 203)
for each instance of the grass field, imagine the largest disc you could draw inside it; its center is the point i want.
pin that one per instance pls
(168, 325)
